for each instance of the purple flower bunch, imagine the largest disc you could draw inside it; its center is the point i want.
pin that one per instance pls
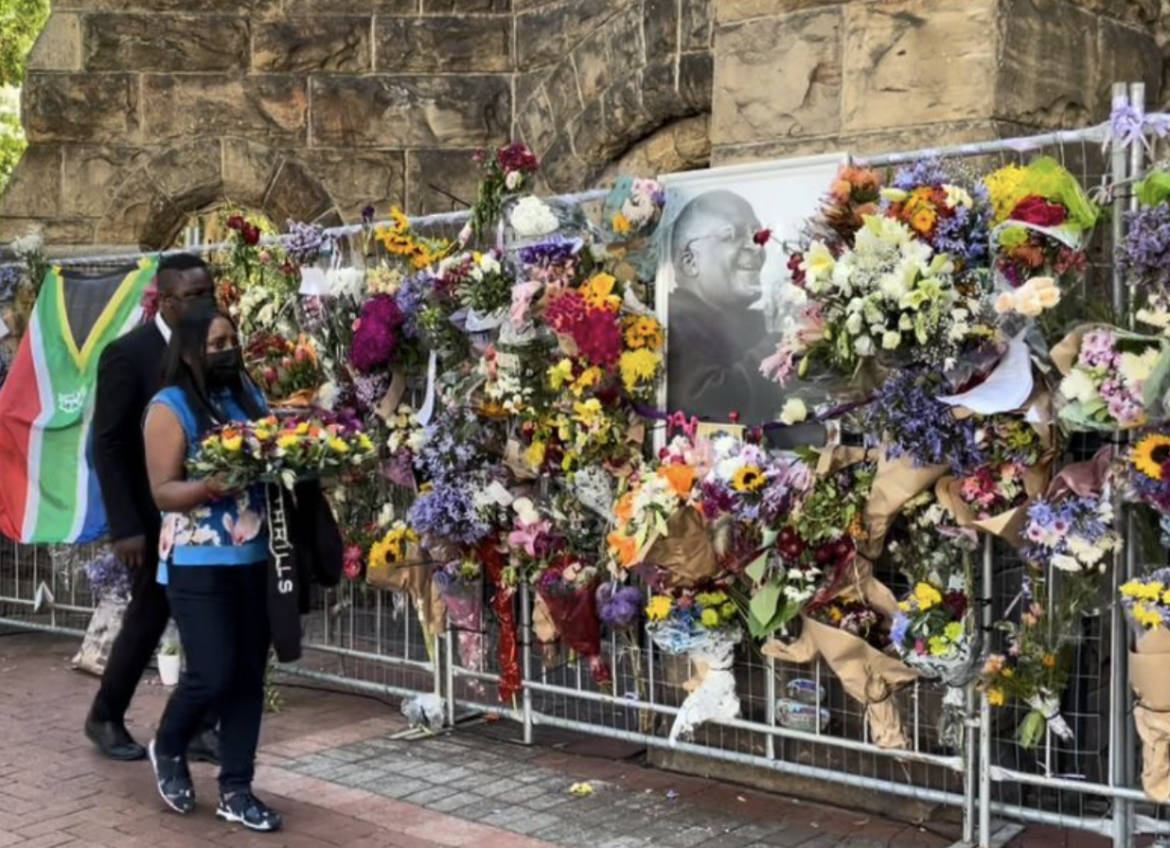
(1074, 532)
(304, 242)
(412, 299)
(618, 605)
(552, 261)
(375, 336)
(1145, 251)
(108, 577)
(448, 512)
(915, 423)
(451, 451)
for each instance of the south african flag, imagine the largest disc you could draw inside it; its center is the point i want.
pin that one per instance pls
(48, 493)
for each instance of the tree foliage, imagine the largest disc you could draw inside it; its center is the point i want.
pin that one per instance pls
(21, 21)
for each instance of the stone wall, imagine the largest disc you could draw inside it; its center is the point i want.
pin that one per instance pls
(142, 112)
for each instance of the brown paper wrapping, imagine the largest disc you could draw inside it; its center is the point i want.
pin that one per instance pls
(542, 623)
(686, 553)
(1151, 714)
(1065, 353)
(868, 675)
(388, 405)
(1007, 525)
(515, 461)
(897, 481)
(412, 577)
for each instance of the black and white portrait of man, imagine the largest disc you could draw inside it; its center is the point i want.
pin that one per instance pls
(718, 282)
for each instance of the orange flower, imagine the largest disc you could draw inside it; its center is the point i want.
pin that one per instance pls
(624, 510)
(680, 477)
(625, 547)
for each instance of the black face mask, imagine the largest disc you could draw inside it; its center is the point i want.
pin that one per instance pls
(224, 368)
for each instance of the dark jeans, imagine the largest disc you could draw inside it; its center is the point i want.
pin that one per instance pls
(223, 624)
(143, 625)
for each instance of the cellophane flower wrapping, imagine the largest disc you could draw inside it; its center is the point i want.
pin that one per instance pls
(574, 614)
(711, 691)
(464, 601)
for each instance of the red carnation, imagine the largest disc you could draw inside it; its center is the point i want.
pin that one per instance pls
(762, 237)
(517, 157)
(1038, 212)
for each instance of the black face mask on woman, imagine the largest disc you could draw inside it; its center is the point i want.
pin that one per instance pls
(224, 368)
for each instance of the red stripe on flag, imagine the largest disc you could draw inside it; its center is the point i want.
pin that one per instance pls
(20, 404)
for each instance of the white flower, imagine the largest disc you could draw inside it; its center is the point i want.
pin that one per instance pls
(327, 395)
(891, 339)
(818, 262)
(1066, 563)
(29, 244)
(533, 217)
(853, 324)
(417, 440)
(494, 495)
(1005, 303)
(386, 515)
(794, 412)
(864, 346)
(1136, 368)
(513, 180)
(525, 511)
(1079, 387)
(957, 196)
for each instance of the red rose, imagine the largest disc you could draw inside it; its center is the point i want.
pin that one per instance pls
(1038, 212)
(250, 233)
(236, 222)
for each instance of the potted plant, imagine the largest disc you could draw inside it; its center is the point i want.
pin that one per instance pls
(170, 662)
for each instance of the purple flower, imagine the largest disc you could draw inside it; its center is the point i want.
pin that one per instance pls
(918, 425)
(368, 215)
(108, 577)
(619, 606)
(448, 512)
(304, 242)
(376, 335)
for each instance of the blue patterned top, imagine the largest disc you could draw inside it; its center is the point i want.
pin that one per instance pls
(229, 531)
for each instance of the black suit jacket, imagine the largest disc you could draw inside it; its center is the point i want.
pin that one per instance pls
(129, 375)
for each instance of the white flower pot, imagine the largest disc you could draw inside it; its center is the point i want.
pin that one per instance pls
(169, 666)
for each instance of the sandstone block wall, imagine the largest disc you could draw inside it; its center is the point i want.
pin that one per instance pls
(142, 112)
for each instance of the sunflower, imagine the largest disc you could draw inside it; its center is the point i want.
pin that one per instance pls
(1150, 454)
(749, 478)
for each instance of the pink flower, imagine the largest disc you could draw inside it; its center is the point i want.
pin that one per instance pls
(522, 295)
(526, 536)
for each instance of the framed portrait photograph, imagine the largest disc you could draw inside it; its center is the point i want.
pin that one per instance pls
(718, 281)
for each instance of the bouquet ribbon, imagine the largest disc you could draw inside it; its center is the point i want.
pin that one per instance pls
(283, 593)
(508, 649)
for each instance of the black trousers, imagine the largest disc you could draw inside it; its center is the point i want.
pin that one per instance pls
(223, 624)
(143, 625)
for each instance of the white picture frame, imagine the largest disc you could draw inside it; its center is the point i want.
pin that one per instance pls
(701, 335)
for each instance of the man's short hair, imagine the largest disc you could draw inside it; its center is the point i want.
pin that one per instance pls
(176, 264)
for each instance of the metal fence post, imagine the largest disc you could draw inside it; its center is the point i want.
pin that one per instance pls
(526, 662)
(985, 739)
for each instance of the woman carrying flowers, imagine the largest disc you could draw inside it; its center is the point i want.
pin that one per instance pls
(212, 553)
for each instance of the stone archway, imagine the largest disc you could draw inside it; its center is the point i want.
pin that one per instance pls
(156, 197)
(595, 88)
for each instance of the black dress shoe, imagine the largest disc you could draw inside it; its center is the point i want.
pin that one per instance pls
(204, 748)
(113, 740)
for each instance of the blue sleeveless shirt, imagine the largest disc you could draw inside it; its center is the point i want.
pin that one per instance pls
(230, 531)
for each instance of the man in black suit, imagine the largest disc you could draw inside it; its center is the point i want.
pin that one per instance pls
(129, 375)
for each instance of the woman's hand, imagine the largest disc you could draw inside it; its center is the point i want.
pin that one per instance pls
(219, 486)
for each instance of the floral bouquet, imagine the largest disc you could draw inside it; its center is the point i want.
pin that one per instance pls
(108, 578)
(950, 213)
(484, 287)
(633, 207)
(890, 294)
(783, 579)
(703, 627)
(849, 628)
(1042, 224)
(460, 582)
(912, 422)
(1072, 532)
(853, 196)
(532, 542)
(991, 497)
(376, 334)
(1147, 603)
(287, 371)
(397, 562)
(275, 450)
(926, 544)
(505, 173)
(1145, 474)
(1112, 379)
(399, 239)
(551, 264)
(568, 589)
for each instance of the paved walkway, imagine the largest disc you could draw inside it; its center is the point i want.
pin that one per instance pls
(330, 764)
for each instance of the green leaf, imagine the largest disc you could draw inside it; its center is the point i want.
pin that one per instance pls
(758, 568)
(770, 537)
(765, 602)
(1032, 730)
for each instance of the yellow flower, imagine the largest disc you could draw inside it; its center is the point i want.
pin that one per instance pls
(232, 441)
(302, 428)
(560, 373)
(598, 293)
(589, 377)
(638, 366)
(749, 478)
(1150, 453)
(710, 618)
(588, 412)
(927, 596)
(1048, 660)
(364, 442)
(659, 608)
(1006, 188)
(263, 434)
(534, 456)
(643, 331)
(338, 445)
(288, 441)
(924, 220)
(995, 697)
(621, 224)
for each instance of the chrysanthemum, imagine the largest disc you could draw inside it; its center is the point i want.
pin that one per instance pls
(1150, 453)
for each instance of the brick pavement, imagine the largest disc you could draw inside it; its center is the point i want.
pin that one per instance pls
(330, 764)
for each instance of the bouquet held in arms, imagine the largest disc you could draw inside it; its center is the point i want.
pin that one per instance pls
(274, 450)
